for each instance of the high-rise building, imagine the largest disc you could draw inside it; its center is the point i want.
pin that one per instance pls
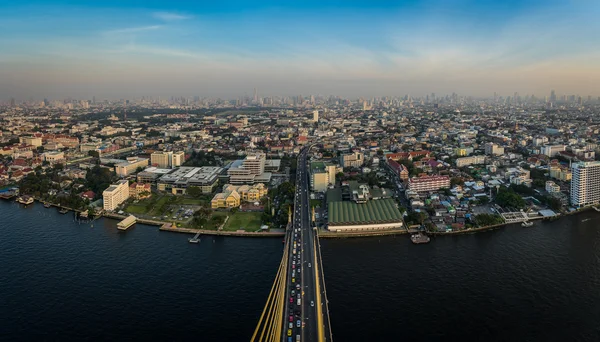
(352, 159)
(167, 159)
(315, 116)
(115, 195)
(321, 176)
(12, 101)
(585, 183)
(493, 149)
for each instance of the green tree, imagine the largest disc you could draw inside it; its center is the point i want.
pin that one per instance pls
(508, 198)
(194, 191)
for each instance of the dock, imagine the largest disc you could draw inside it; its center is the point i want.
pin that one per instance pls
(127, 222)
(195, 239)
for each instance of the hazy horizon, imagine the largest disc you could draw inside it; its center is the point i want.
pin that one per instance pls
(125, 49)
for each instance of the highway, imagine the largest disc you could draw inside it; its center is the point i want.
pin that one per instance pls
(313, 309)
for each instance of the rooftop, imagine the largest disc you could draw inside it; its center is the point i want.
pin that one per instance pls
(378, 211)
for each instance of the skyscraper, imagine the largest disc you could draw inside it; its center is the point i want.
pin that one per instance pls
(12, 101)
(585, 183)
(255, 95)
(553, 96)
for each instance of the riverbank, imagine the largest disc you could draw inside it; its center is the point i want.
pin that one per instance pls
(165, 226)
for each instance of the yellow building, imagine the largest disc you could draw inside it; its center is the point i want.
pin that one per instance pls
(460, 152)
(233, 195)
(560, 172)
(226, 200)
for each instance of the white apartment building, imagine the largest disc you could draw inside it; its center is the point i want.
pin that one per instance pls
(494, 149)
(130, 166)
(552, 150)
(165, 160)
(585, 183)
(552, 187)
(473, 160)
(115, 195)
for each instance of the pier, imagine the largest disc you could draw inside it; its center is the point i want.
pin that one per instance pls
(195, 239)
(127, 222)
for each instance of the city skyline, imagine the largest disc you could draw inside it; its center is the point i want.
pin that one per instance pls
(129, 49)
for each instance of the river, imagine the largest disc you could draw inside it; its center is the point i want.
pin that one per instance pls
(67, 281)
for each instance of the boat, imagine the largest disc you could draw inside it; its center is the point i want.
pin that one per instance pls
(526, 224)
(47, 205)
(419, 238)
(63, 211)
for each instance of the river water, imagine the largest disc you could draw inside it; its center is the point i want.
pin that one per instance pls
(66, 281)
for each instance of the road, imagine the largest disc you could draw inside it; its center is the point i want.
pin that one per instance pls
(313, 310)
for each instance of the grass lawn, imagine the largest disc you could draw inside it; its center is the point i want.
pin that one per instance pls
(136, 209)
(249, 221)
(191, 201)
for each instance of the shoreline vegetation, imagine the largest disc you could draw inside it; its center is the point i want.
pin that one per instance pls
(167, 226)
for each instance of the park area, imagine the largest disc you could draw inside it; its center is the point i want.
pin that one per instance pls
(180, 210)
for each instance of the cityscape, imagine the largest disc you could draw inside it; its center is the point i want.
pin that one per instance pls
(374, 189)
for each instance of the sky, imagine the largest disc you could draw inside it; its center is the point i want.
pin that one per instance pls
(226, 48)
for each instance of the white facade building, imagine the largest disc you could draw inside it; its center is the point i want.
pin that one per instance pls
(115, 195)
(585, 183)
(552, 150)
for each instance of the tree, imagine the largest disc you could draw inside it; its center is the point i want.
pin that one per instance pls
(508, 198)
(488, 219)
(483, 200)
(380, 152)
(456, 181)
(94, 153)
(194, 191)
(40, 149)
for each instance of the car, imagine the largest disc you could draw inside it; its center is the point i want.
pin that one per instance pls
(298, 323)
(291, 318)
(293, 292)
(291, 299)
(291, 325)
(293, 280)
(309, 264)
(289, 332)
(293, 266)
(297, 286)
(312, 303)
(290, 339)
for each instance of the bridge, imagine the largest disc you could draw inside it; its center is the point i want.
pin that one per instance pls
(297, 308)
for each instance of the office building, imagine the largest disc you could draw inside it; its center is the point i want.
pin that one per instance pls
(178, 180)
(249, 171)
(129, 166)
(115, 194)
(315, 116)
(34, 141)
(585, 184)
(321, 176)
(167, 159)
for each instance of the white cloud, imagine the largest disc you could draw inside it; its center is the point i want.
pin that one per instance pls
(170, 16)
(134, 29)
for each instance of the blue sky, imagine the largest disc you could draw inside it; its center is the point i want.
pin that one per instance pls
(349, 48)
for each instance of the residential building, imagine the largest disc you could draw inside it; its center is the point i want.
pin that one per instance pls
(585, 184)
(354, 159)
(560, 172)
(34, 141)
(552, 150)
(552, 187)
(428, 183)
(167, 159)
(321, 176)
(178, 180)
(129, 166)
(473, 160)
(115, 194)
(494, 149)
